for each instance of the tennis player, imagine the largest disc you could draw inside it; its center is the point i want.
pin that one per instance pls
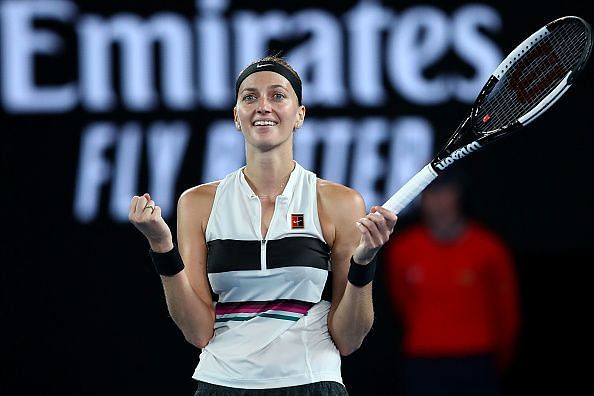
(266, 239)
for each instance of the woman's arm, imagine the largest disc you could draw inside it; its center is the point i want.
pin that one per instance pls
(354, 235)
(188, 293)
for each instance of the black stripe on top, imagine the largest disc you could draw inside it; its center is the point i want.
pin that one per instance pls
(231, 255)
(297, 251)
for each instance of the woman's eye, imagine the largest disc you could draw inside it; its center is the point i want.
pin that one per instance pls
(249, 97)
(279, 96)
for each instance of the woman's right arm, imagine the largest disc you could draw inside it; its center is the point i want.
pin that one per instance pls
(188, 293)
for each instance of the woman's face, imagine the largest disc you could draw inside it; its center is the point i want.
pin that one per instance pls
(267, 110)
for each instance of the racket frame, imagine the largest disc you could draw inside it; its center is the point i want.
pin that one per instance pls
(466, 139)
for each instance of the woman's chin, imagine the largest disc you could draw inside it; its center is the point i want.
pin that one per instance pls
(266, 146)
(267, 143)
(267, 140)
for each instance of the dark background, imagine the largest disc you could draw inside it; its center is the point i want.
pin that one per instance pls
(83, 311)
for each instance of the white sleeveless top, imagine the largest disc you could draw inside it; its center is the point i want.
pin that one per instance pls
(271, 326)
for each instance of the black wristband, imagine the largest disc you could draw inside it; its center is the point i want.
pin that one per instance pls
(360, 275)
(168, 263)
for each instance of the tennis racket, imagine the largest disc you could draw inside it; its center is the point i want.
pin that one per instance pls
(526, 84)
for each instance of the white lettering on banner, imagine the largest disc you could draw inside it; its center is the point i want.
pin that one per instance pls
(334, 136)
(94, 170)
(126, 170)
(21, 43)
(212, 45)
(224, 151)
(411, 148)
(411, 55)
(252, 32)
(418, 40)
(368, 166)
(178, 63)
(135, 38)
(199, 64)
(365, 24)
(322, 54)
(410, 142)
(166, 144)
(474, 47)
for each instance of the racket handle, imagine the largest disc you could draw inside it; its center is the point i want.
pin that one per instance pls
(411, 189)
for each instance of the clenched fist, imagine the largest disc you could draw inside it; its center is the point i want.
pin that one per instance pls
(375, 229)
(146, 216)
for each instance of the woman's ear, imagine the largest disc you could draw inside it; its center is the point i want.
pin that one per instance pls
(300, 117)
(236, 119)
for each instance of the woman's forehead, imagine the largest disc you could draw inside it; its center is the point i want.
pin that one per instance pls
(264, 79)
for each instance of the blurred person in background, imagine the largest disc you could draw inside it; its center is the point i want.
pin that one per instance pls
(454, 287)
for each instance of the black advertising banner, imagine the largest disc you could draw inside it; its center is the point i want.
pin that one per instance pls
(103, 100)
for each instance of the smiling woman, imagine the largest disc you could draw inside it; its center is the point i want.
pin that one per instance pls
(263, 239)
(268, 100)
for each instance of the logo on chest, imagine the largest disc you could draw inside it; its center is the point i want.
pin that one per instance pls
(297, 221)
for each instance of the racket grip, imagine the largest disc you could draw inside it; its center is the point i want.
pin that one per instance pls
(411, 189)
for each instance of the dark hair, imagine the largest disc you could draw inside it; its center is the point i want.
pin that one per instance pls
(457, 178)
(276, 64)
(276, 58)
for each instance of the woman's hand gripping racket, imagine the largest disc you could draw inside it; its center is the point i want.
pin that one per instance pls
(532, 77)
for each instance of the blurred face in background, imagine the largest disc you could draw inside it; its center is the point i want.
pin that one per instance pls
(441, 208)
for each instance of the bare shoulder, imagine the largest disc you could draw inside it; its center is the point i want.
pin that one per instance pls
(339, 207)
(201, 192)
(336, 197)
(198, 199)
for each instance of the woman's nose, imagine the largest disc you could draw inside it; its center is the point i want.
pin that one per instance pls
(263, 105)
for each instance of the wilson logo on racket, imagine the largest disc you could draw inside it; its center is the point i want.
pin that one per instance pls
(528, 82)
(456, 155)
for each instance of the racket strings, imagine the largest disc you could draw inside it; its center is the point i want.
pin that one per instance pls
(529, 80)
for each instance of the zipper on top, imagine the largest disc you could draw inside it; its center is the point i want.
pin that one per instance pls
(263, 241)
(263, 254)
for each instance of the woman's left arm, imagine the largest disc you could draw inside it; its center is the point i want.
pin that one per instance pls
(359, 236)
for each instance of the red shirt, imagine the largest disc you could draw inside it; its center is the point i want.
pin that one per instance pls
(457, 298)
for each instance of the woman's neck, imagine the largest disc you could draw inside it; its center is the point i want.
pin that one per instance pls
(268, 175)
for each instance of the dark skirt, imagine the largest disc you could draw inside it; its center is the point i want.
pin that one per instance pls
(324, 388)
(452, 376)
